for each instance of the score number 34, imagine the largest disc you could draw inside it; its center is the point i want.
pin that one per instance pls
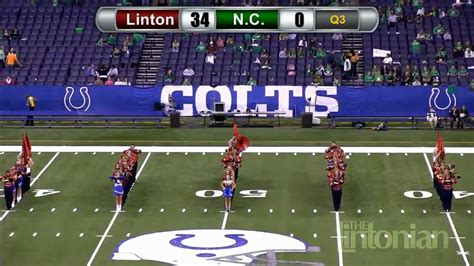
(198, 20)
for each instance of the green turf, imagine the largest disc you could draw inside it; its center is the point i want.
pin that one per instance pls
(219, 136)
(298, 182)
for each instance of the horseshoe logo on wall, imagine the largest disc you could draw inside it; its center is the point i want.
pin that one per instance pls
(86, 99)
(434, 99)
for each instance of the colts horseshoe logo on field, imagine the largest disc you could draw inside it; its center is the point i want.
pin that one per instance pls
(86, 99)
(178, 242)
(434, 99)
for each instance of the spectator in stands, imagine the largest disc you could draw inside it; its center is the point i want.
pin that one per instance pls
(441, 56)
(300, 53)
(15, 34)
(283, 36)
(336, 81)
(406, 80)
(396, 74)
(313, 44)
(447, 36)
(91, 72)
(9, 81)
(251, 82)
(328, 72)
(303, 43)
(425, 76)
(175, 46)
(12, 59)
(421, 37)
(309, 70)
(290, 68)
(388, 60)
(211, 48)
(109, 82)
(453, 12)
(2, 57)
(416, 82)
(229, 42)
(434, 72)
(369, 78)
(122, 82)
(265, 64)
(98, 81)
(188, 72)
(201, 48)
(137, 38)
(319, 70)
(210, 58)
(420, 12)
(100, 42)
(347, 68)
(438, 30)
(186, 82)
(415, 73)
(337, 36)
(6, 34)
(458, 50)
(113, 72)
(317, 81)
(111, 40)
(125, 51)
(292, 53)
(468, 44)
(415, 48)
(116, 52)
(126, 41)
(102, 71)
(354, 58)
(283, 53)
(220, 42)
(168, 77)
(392, 21)
(462, 72)
(452, 71)
(320, 54)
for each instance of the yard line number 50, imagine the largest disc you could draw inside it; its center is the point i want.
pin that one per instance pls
(250, 193)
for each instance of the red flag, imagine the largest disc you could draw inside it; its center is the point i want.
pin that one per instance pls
(439, 145)
(25, 149)
(236, 132)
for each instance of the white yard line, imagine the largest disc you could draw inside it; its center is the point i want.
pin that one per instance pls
(34, 181)
(224, 221)
(451, 223)
(339, 241)
(112, 221)
(253, 149)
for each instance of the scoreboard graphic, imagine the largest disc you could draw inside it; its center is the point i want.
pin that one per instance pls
(237, 19)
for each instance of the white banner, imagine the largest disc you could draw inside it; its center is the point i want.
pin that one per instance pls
(380, 53)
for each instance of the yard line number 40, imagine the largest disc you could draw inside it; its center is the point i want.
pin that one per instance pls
(250, 193)
(421, 194)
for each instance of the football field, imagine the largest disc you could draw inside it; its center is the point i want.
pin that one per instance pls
(281, 215)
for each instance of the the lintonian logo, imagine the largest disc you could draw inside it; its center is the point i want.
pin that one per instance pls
(209, 247)
(86, 99)
(362, 235)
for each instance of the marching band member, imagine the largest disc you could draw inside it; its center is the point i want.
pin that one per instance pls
(335, 179)
(9, 189)
(447, 182)
(227, 185)
(117, 180)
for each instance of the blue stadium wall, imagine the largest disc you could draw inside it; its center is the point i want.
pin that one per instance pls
(342, 101)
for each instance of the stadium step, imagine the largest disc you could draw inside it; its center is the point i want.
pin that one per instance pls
(150, 59)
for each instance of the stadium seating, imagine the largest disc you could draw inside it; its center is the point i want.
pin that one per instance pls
(50, 50)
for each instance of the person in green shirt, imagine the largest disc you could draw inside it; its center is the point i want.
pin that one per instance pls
(201, 48)
(320, 54)
(257, 37)
(100, 42)
(168, 77)
(137, 38)
(441, 55)
(111, 40)
(453, 12)
(292, 53)
(438, 30)
(434, 72)
(251, 82)
(369, 78)
(415, 47)
(238, 47)
(452, 71)
(300, 52)
(389, 78)
(417, 3)
(328, 70)
(415, 73)
(462, 71)
(378, 78)
(186, 82)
